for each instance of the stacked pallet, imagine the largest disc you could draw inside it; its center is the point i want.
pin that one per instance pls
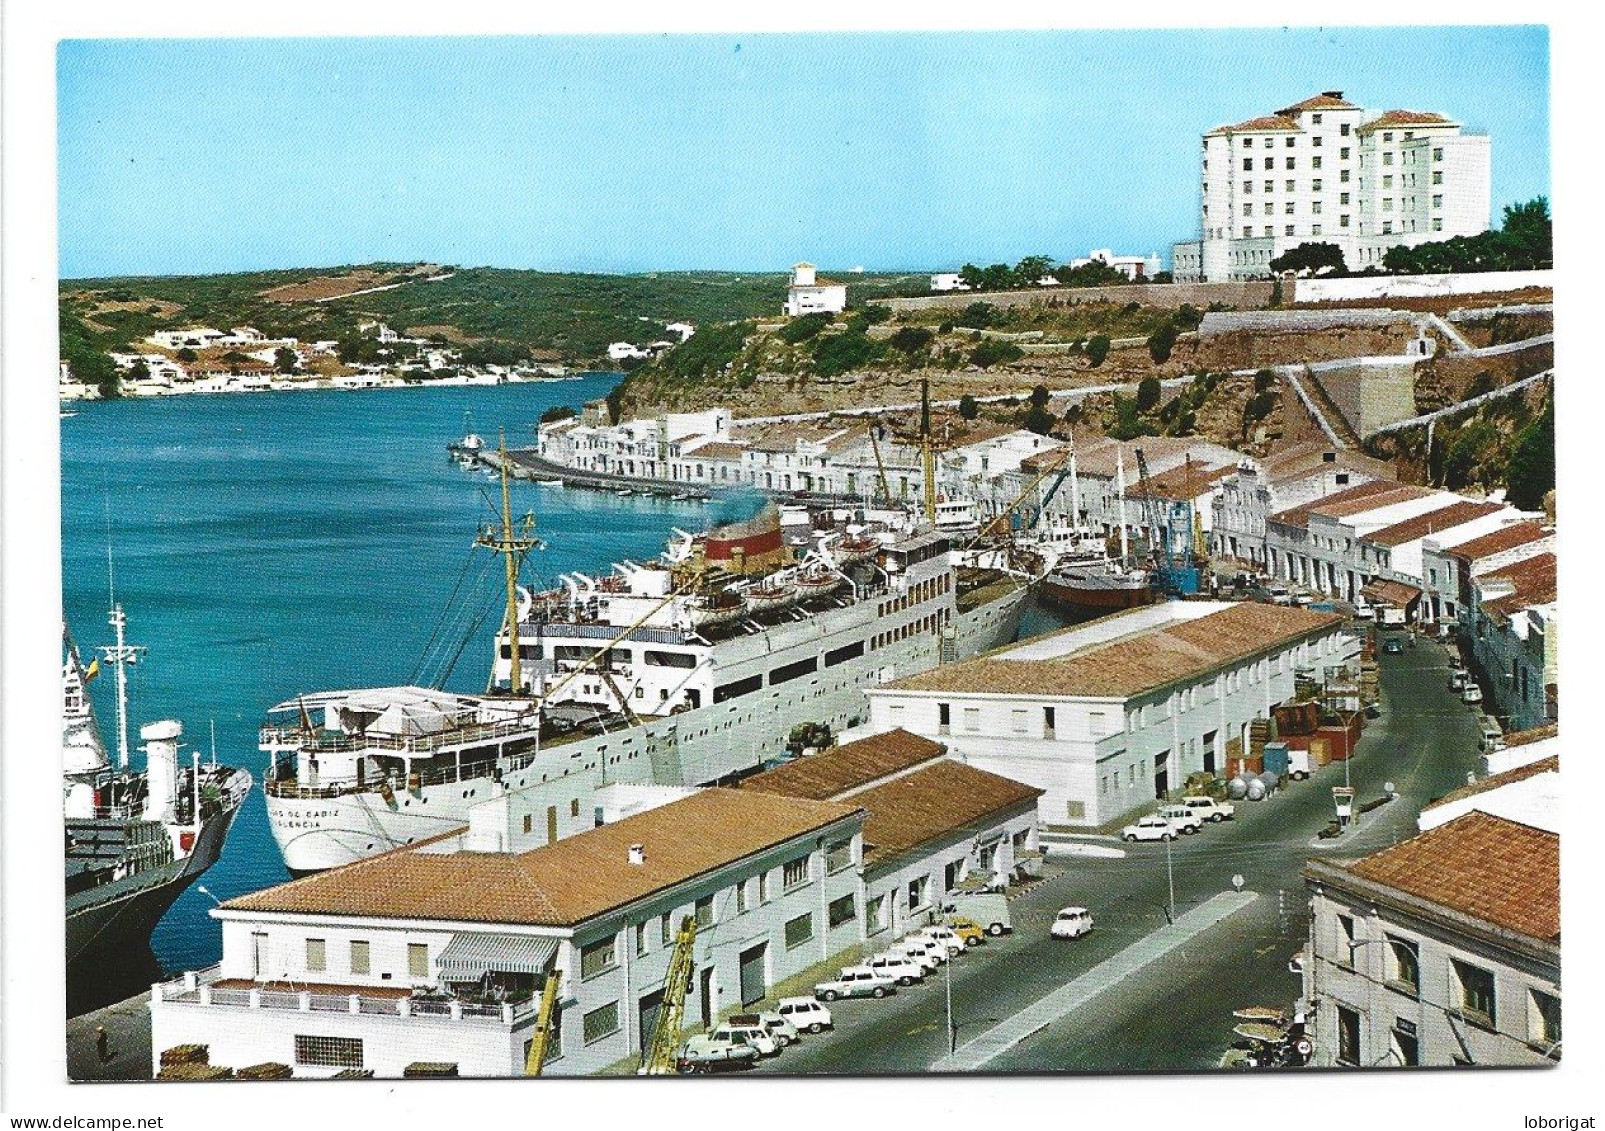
(200, 1072)
(186, 1054)
(426, 1069)
(267, 1070)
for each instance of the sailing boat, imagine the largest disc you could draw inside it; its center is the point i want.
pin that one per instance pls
(1108, 583)
(135, 838)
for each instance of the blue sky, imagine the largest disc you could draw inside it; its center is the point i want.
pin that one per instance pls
(642, 152)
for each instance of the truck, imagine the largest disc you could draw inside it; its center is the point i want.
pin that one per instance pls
(988, 909)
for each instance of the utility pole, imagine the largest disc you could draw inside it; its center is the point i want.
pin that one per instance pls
(1170, 877)
(952, 1029)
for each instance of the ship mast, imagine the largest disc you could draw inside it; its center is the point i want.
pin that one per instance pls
(120, 655)
(512, 545)
(1075, 493)
(1120, 486)
(927, 453)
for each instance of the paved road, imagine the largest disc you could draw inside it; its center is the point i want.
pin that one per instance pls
(1176, 1014)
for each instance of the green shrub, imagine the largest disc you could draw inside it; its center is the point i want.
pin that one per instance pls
(910, 339)
(1097, 349)
(1263, 380)
(979, 315)
(968, 409)
(841, 353)
(800, 329)
(993, 352)
(1161, 342)
(1148, 394)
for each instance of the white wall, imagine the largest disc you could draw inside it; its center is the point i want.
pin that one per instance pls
(1407, 286)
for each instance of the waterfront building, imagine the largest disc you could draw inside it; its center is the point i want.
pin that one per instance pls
(809, 294)
(1441, 950)
(1107, 716)
(1514, 635)
(1137, 268)
(1258, 488)
(1325, 170)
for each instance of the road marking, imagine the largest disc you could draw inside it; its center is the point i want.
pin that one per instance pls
(922, 1029)
(998, 1040)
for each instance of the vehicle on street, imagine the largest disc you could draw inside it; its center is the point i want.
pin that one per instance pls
(1210, 809)
(988, 910)
(805, 1014)
(704, 1054)
(751, 1033)
(1471, 693)
(1492, 737)
(969, 932)
(928, 954)
(1298, 764)
(1071, 923)
(1458, 679)
(782, 1030)
(1149, 828)
(947, 938)
(1393, 646)
(1364, 612)
(898, 967)
(1186, 820)
(856, 981)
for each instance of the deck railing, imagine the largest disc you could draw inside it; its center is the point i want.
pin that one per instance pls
(198, 988)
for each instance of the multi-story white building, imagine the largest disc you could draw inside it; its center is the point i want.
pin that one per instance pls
(809, 294)
(1257, 489)
(1325, 170)
(1441, 950)
(1514, 633)
(1450, 567)
(1105, 717)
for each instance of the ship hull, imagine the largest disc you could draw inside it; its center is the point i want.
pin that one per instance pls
(1073, 593)
(695, 747)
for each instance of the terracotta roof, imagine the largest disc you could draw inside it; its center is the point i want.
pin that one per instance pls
(833, 772)
(1433, 522)
(937, 801)
(1536, 734)
(1176, 483)
(1494, 781)
(1333, 101)
(716, 449)
(1260, 125)
(1156, 658)
(1350, 500)
(1504, 873)
(1498, 541)
(1395, 593)
(1534, 582)
(562, 884)
(1394, 118)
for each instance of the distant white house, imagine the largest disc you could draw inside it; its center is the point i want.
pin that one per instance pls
(684, 329)
(1133, 267)
(948, 281)
(619, 351)
(809, 294)
(193, 336)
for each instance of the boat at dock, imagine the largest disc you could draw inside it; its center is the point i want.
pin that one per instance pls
(135, 839)
(685, 670)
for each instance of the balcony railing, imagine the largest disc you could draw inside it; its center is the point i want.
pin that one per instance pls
(199, 988)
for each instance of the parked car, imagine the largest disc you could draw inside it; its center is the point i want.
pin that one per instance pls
(970, 932)
(1210, 809)
(1393, 646)
(1458, 679)
(782, 1030)
(856, 981)
(927, 954)
(1186, 820)
(805, 1013)
(949, 939)
(1470, 693)
(744, 1033)
(704, 1054)
(1071, 923)
(1149, 828)
(900, 968)
(1364, 612)
(1492, 737)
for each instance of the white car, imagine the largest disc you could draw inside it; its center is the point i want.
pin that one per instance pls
(1071, 923)
(782, 1030)
(900, 968)
(1186, 820)
(946, 937)
(752, 1035)
(805, 1014)
(856, 981)
(1471, 693)
(1149, 828)
(1210, 809)
(922, 953)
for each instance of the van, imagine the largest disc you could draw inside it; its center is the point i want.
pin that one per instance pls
(988, 909)
(753, 1035)
(1492, 737)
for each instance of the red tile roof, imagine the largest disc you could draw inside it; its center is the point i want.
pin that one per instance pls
(562, 884)
(1534, 582)
(1499, 871)
(1535, 734)
(1394, 118)
(1498, 541)
(1350, 500)
(944, 798)
(1161, 656)
(1394, 593)
(830, 773)
(1267, 124)
(1494, 781)
(1433, 522)
(1333, 101)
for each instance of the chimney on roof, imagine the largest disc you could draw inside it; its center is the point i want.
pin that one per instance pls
(637, 854)
(1332, 93)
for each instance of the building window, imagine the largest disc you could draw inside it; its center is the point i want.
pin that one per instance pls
(1387, 181)
(1268, 208)
(1476, 991)
(1387, 158)
(1387, 227)
(1267, 231)
(704, 911)
(875, 914)
(763, 887)
(1270, 186)
(316, 956)
(359, 956)
(1343, 220)
(794, 873)
(1288, 208)
(1315, 207)
(1387, 137)
(529, 823)
(1404, 966)
(1437, 223)
(1543, 1018)
(1247, 231)
(598, 958)
(972, 719)
(1345, 938)
(1343, 198)
(665, 932)
(1315, 119)
(741, 898)
(601, 1023)
(1290, 185)
(1437, 200)
(1403, 1044)
(1348, 1035)
(1387, 204)
(843, 910)
(1248, 164)
(1315, 185)
(1343, 129)
(640, 938)
(838, 856)
(1270, 162)
(916, 892)
(328, 1052)
(1248, 186)
(1437, 155)
(1343, 176)
(418, 960)
(799, 930)
(1437, 177)
(1247, 142)
(1292, 162)
(1288, 230)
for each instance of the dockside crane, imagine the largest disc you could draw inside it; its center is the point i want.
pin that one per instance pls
(659, 1058)
(535, 1059)
(1169, 578)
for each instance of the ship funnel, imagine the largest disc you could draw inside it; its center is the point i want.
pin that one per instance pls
(637, 854)
(161, 768)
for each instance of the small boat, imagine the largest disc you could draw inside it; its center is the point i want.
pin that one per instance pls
(717, 608)
(554, 482)
(681, 497)
(769, 596)
(65, 413)
(624, 492)
(856, 548)
(817, 582)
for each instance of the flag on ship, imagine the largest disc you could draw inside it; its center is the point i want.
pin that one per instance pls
(94, 669)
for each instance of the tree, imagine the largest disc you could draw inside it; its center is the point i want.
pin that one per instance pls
(978, 315)
(1094, 273)
(1162, 341)
(186, 355)
(911, 339)
(1097, 349)
(139, 371)
(1163, 277)
(971, 276)
(1528, 236)
(1148, 394)
(1311, 259)
(1032, 268)
(1038, 419)
(1040, 396)
(968, 409)
(285, 360)
(1263, 379)
(1532, 463)
(558, 412)
(991, 351)
(841, 353)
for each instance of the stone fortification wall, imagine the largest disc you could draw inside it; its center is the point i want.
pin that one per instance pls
(1169, 296)
(1398, 286)
(1294, 321)
(1370, 392)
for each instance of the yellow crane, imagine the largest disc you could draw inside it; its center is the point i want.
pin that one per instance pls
(658, 1060)
(535, 1059)
(514, 546)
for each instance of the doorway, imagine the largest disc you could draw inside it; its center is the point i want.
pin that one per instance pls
(707, 997)
(1161, 774)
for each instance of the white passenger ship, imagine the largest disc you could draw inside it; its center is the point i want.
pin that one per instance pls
(683, 671)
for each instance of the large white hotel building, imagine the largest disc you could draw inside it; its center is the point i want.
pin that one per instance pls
(1327, 171)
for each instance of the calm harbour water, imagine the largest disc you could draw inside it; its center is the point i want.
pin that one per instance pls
(272, 544)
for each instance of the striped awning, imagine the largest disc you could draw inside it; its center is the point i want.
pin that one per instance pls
(471, 957)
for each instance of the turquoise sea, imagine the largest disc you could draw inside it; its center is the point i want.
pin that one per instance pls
(276, 543)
